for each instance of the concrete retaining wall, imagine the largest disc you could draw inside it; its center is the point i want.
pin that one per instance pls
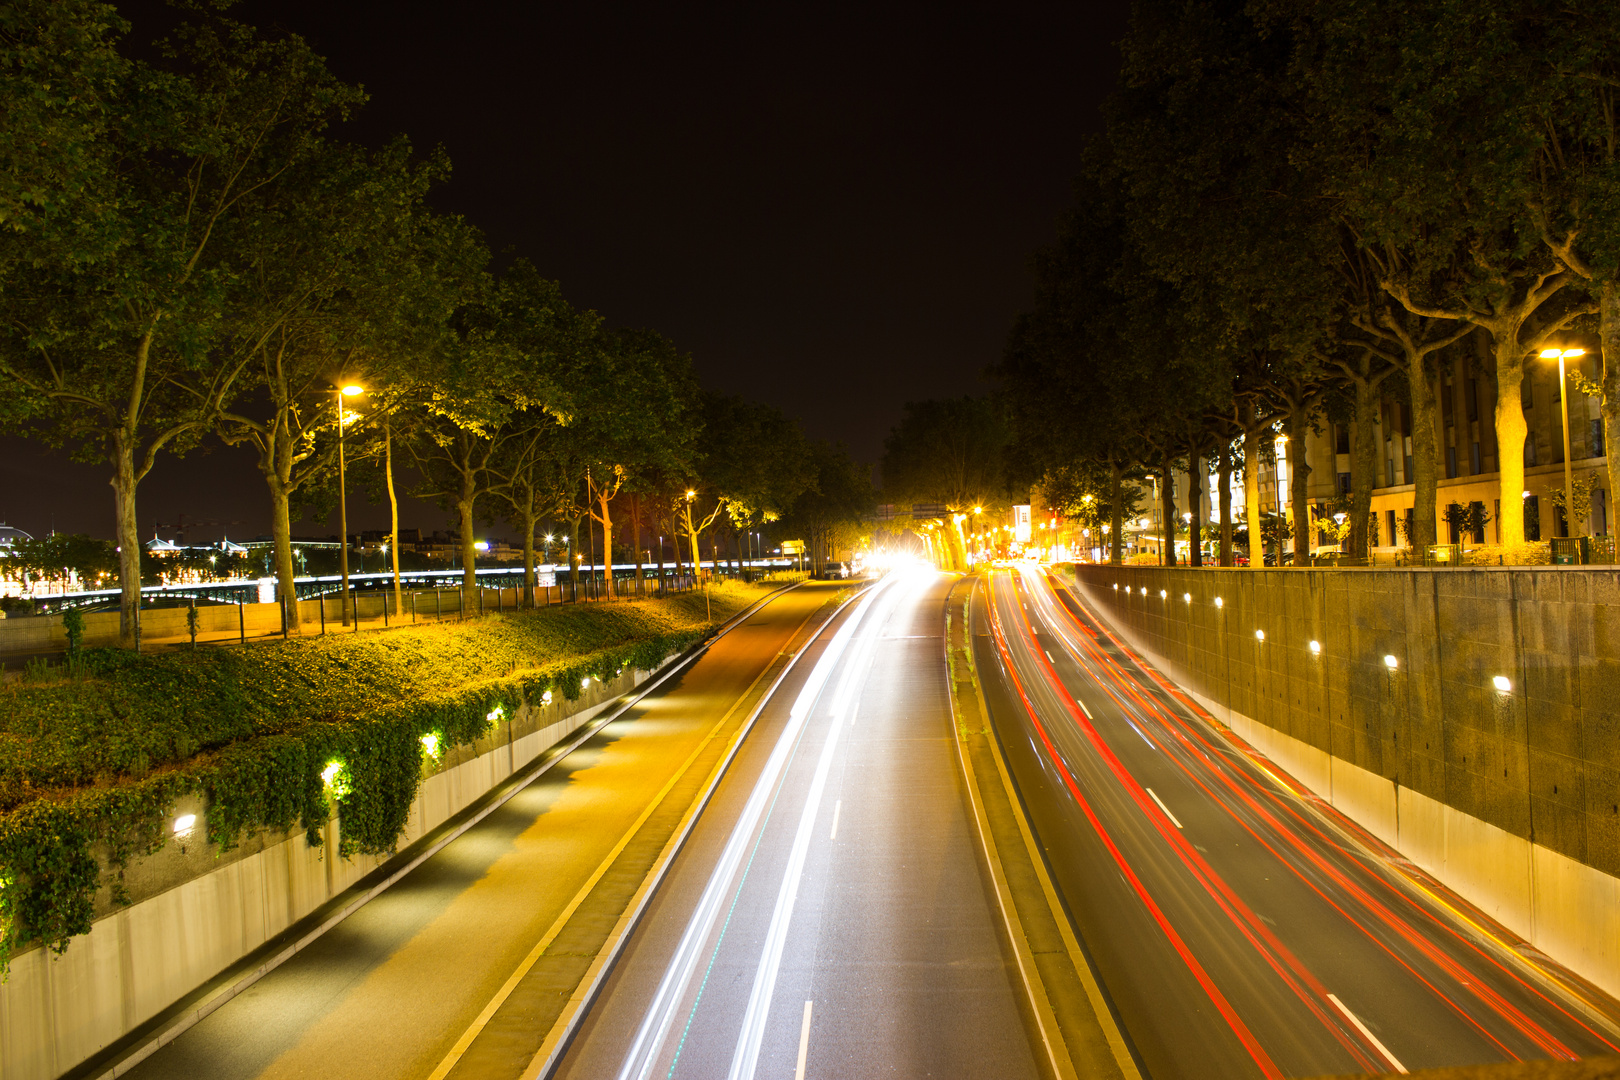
(197, 911)
(1511, 797)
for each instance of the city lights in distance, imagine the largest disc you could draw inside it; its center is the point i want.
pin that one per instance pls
(1503, 684)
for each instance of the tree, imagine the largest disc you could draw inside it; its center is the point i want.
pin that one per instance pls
(633, 407)
(750, 461)
(1421, 127)
(949, 452)
(115, 355)
(347, 281)
(834, 509)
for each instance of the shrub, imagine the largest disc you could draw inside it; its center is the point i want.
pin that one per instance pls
(100, 760)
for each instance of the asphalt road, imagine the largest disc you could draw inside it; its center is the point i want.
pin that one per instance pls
(828, 916)
(1241, 926)
(390, 991)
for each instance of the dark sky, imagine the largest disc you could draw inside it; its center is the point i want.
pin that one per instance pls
(832, 209)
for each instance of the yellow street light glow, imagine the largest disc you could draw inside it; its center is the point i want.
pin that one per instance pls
(353, 390)
(690, 493)
(430, 744)
(978, 509)
(1555, 354)
(1503, 684)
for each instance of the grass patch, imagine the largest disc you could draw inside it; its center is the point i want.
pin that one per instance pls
(92, 763)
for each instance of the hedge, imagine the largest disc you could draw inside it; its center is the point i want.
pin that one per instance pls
(98, 761)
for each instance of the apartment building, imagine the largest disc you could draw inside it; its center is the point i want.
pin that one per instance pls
(1467, 464)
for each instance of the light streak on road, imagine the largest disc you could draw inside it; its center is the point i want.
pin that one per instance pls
(1350, 915)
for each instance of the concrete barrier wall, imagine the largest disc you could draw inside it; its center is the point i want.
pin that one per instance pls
(196, 910)
(1511, 797)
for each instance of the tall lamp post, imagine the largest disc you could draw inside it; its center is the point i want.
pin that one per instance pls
(350, 390)
(1563, 399)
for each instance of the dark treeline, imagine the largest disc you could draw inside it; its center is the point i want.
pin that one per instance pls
(189, 250)
(1299, 207)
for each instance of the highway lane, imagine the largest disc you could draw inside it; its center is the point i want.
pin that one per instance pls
(389, 991)
(1240, 925)
(828, 916)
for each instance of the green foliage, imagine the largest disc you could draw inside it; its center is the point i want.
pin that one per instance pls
(100, 760)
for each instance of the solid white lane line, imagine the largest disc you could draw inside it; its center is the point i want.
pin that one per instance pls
(746, 1057)
(837, 809)
(804, 1042)
(1356, 1020)
(745, 1060)
(1163, 807)
(655, 1026)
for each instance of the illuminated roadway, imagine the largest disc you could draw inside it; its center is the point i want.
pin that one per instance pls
(391, 991)
(1241, 926)
(829, 916)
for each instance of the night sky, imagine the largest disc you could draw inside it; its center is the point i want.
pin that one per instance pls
(832, 210)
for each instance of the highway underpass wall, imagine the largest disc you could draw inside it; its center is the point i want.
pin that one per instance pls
(1510, 796)
(197, 911)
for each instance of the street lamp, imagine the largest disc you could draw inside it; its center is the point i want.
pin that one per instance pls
(1563, 399)
(349, 390)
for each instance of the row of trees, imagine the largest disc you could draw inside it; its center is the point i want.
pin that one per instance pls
(1301, 207)
(188, 251)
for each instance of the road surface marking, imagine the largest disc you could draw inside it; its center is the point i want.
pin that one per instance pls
(1356, 1020)
(746, 1057)
(660, 1015)
(1133, 728)
(837, 808)
(482, 1020)
(1163, 807)
(1048, 653)
(804, 1042)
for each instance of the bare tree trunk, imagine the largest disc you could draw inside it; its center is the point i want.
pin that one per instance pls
(606, 518)
(1224, 481)
(1116, 514)
(469, 554)
(1363, 467)
(530, 520)
(281, 543)
(1425, 442)
(393, 516)
(573, 553)
(129, 540)
(1195, 508)
(635, 534)
(1299, 484)
(1609, 402)
(1251, 488)
(1167, 498)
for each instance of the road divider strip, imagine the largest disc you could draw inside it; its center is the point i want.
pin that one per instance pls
(960, 671)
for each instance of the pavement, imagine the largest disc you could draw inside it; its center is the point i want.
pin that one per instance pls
(424, 979)
(1239, 924)
(830, 915)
